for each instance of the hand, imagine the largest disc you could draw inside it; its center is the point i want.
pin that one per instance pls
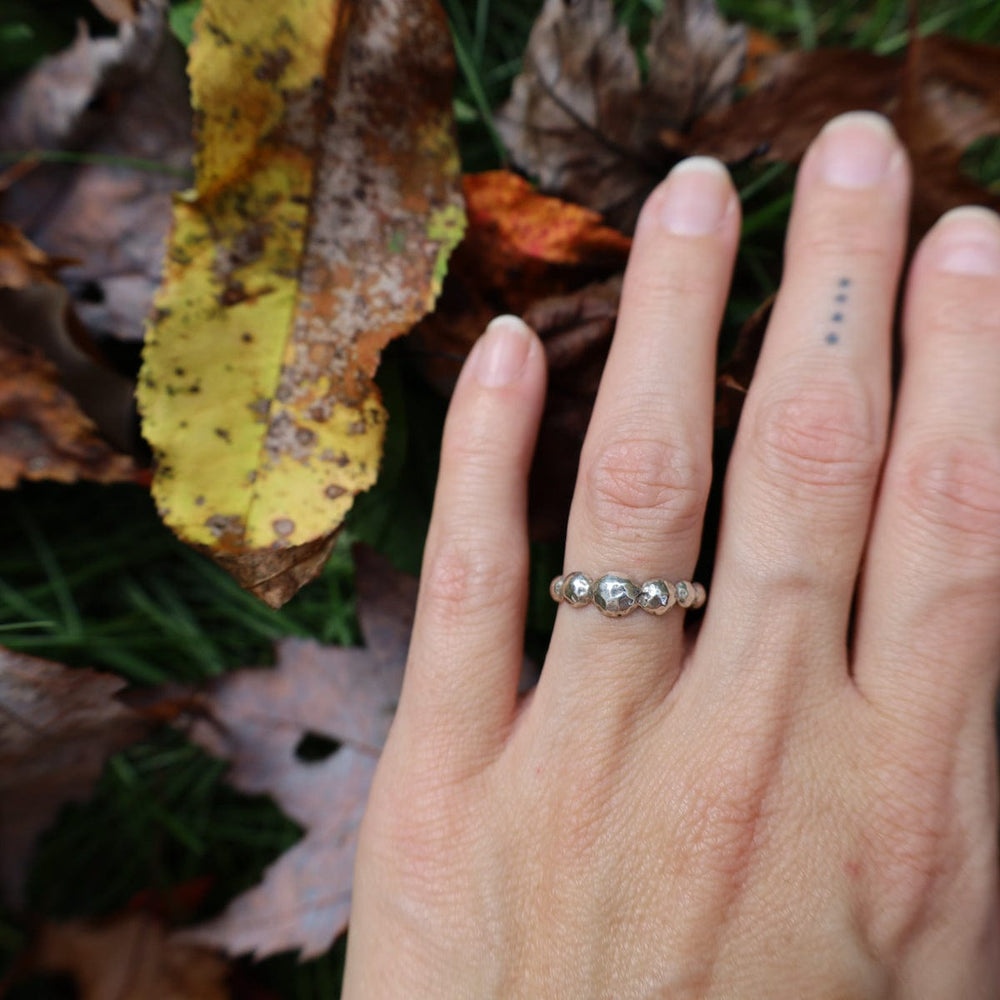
(778, 807)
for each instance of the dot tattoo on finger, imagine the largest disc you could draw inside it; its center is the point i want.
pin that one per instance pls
(837, 317)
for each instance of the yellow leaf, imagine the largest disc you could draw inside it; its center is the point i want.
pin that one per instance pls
(327, 201)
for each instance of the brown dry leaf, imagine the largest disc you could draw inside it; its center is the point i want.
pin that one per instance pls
(57, 727)
(124, 98)
(43, 432)
(797, 93)
(761, 48)
(325, 208)
(22, 264)
(557, 265)
(945, 95)
(576, 329)
(258, 719)
(52, 390)
(520, 247)
(581, 119)
(129, 957)
(954, 100)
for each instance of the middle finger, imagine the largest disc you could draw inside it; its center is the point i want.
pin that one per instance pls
(806, 461)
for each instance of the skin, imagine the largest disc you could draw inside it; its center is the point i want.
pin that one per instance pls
(773, 807)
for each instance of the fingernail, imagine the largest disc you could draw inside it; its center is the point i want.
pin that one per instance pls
(968, 241)
(697, 196)
(500, 353)
(856, 149)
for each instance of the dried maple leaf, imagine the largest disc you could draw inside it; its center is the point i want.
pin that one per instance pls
(582, 120)
(57, 727)
(796, 94)
(129, 957)
(123, 99)
(45, 374)
(325, 207)
(945, 95)
(260, 717)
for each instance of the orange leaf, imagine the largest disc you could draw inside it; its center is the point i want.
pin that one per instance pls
(512, 222)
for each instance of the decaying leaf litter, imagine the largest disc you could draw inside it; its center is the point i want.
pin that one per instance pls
(55, 398)
(538, 252)
(57, 726)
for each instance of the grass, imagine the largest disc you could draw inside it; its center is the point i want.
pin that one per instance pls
(88, 575)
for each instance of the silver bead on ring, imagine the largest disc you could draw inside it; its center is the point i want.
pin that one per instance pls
(616, 596)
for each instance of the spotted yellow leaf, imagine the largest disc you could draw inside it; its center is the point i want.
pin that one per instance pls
(326, 203)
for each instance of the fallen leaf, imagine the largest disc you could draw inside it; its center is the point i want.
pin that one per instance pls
(560, 267)
(514, 226)
(944, 96)
(264, 720)
(22, 264)
(258, 720)
(583, 121)
(54, 104)
(958, 84)
(129, 957)
(53, 374)
(761, 48)
(43, 432)
(572, 324)
(57, 727)
(125, 101)
(325, 207)
(797, 93)
(576, 330)
(520, 247)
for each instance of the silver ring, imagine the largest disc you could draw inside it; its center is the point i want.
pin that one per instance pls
(616, 596)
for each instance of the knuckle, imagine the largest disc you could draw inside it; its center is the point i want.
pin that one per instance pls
(844, 235)
(822, 435)
(461, 576)
(951, 489)
(635, 479)
(471, 447)
(961, 315)
(684, 281)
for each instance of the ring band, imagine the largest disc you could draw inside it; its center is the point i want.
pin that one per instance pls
(616, 596)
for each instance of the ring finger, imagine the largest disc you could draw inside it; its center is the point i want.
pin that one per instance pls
(646, 462)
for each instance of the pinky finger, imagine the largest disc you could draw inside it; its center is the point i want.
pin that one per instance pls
(467, 646)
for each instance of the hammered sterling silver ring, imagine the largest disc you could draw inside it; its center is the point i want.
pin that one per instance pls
(616, 596)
